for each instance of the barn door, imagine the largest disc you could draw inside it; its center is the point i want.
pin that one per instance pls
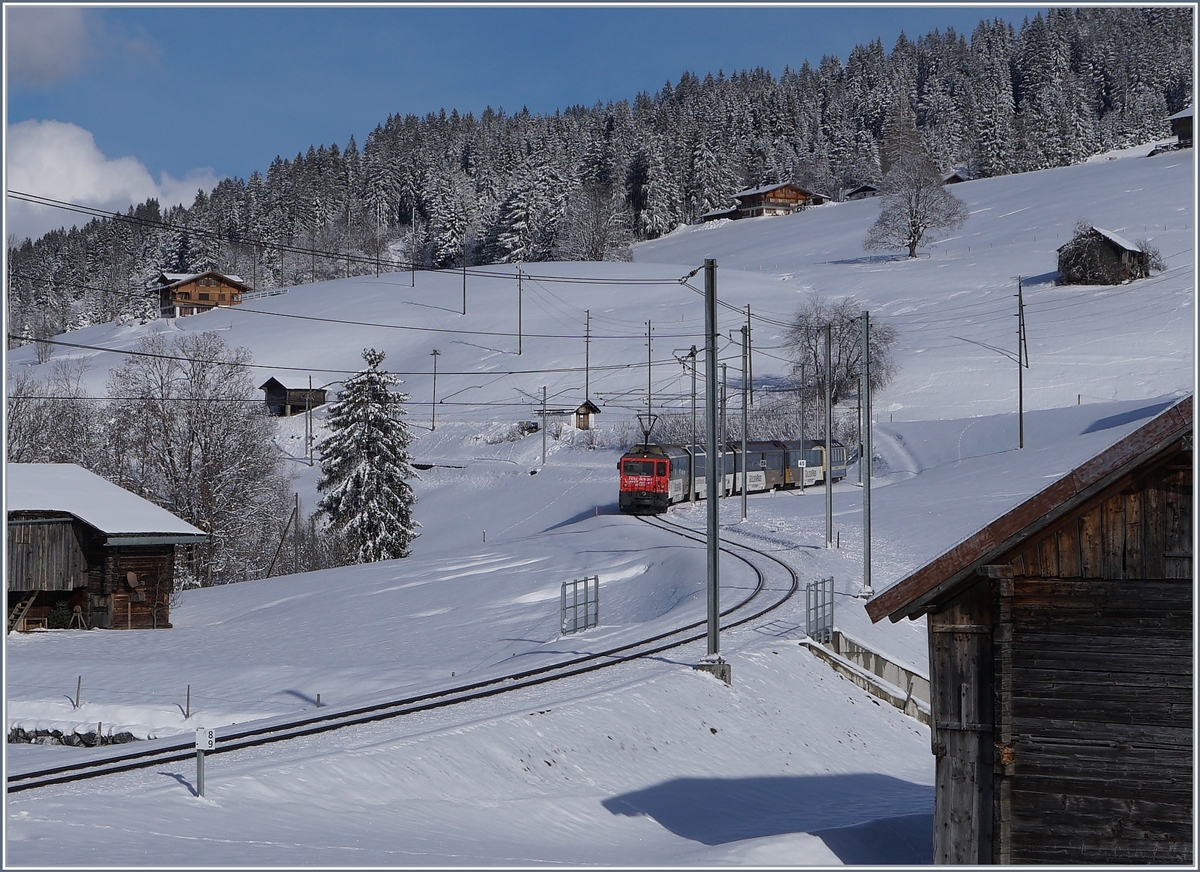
(960, 660)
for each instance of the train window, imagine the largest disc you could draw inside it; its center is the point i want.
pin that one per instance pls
(639, 467)
(662, 467)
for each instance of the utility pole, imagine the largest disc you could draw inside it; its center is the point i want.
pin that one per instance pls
(803, 447)
(587, 354)
(865, 437)
(692, 463)
(745, 414)
(710, 401)
(1022, 363)
(828, 436)
(750, 355)
(520, 295)
(308, 436)
(543, 425)
(296, 538)
(433, 405)
(724, 432)
(464, 276)
(649, 382)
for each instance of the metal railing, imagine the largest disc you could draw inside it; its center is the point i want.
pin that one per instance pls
(580, 605)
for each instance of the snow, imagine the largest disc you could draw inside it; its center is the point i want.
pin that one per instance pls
(1118, 239)
(650, 762)
(67, 487)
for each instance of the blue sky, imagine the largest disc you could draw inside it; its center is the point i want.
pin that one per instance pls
(194, 94)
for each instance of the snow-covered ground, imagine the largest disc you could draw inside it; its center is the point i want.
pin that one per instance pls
(650, 763)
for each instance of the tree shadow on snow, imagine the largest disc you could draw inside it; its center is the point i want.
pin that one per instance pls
(871, 258)
(863, 818)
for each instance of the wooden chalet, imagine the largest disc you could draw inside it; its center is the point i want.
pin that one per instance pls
(1100, 257)
(776, 200)
(1061, 665)
(1181, 126)
(955, 176)
(181, 294)
(76, 539)
(584, 414)
(285, 402)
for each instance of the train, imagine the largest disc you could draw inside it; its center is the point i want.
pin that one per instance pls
(654, 477)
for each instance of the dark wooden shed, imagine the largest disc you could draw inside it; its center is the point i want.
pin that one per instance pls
(1061, 665)
(584, 414)
(77, 540)
(1181, 126)
(1100, 257)
(284, 402)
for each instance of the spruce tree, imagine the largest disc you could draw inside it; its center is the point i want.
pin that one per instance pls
(365, 466)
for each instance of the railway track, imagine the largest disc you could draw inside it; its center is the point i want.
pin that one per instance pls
(233, 738)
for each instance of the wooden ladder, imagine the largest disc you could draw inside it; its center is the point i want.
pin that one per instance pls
(20, 610)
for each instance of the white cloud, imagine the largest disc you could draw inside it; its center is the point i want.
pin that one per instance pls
(46, 44)
(62, 161)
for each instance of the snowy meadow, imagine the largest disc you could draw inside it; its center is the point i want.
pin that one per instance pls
(649, 762)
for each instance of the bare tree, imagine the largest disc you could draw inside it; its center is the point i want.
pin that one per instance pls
(187, 432)
(915, 205)
(806, 342)
(55, 421)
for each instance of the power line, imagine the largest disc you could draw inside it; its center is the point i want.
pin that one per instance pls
(340, 256)
(612, 367)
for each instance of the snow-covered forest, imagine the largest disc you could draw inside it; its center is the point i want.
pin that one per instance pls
(586, 182)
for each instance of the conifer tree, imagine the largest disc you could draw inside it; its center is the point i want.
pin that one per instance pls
(365, 466)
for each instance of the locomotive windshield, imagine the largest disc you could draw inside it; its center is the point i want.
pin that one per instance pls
(641, 467)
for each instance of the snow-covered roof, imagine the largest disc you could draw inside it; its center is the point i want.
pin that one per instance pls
(767, 189)
(1186, 113)
(1119, 240)
(114, 511)
(937, 579)
(170, 280)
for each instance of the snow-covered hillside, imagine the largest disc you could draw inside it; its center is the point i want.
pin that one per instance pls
(650, 763)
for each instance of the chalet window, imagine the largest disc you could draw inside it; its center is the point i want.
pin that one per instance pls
(185, 296)
(203, 296)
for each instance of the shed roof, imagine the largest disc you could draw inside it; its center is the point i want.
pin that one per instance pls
(589, 406)
(1186, 113)
(114, 511)
(944, 574)
(1114, 238)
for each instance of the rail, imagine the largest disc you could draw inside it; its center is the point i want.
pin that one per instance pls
(178, 748)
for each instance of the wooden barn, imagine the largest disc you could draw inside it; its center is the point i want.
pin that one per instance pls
(1100, 257)
(1181, 126)
(862, 192)
(1061, 665)
(181, 294)
(79, 543)
(285, 402)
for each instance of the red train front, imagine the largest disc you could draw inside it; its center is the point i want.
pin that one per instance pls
(645, 479)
